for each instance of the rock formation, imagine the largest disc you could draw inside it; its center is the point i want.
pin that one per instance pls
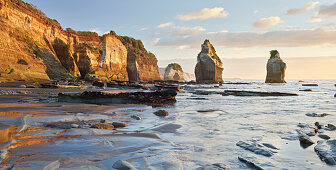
(141, 64)
(209, 66)
(174, 72)
(275, 68)
(49, 52)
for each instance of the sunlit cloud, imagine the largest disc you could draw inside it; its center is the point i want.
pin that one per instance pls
(256, 11)
(204, 14)
(265, 23)
(304, 9)
(287, 38)
(315, 19)
(187, 32)
(144, 29)
(167, 24)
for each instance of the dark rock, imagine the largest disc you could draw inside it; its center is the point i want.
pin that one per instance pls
(317, 115)
(119, 124)
(98, 84)
(136, 117)
(305, 140)
(161, 113)
(270, 146)
(253, 93)
(326, 150)
(330, 127)
(157, 97)
(104, 126)
(169, 87)
(249, 163)
(23, 62)
(309, 84)
(207, 111)
(254, 147)
(51, 85)
(317, 124)
(323, 136)
(123, 165)
(197, 98)
(306, 90)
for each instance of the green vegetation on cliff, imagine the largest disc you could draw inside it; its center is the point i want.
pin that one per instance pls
(175, 66)
(136, 47)
(274, 53)
(34, 10)
(89, 33)
(212, 48)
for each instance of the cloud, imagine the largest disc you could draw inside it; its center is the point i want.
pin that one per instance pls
(144, 28)
(327, 10)
(304, 9)
(315, 19)
(204, 14)
(187, 32)
(97, 30)
(256, 11)
(265, 23)
(287, 38)
(167, 24)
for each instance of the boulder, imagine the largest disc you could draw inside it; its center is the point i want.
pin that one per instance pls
(275, 68)
(161, 113)
(174, 72)
(209, 67)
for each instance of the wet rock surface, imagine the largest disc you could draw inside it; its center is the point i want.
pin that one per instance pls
(249, 163)
(256, 148)
(253, 93)
(123, 165)
(326, 150)
(157, 97)
(317, 115)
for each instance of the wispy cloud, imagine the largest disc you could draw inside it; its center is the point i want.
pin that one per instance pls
(327, 10)
(265, 23)
(97, 30)
(288, 38)
(256, 11)
(144, 29)
(304, 9)
(204, 14)
(167, 24)
(187, 31)
(315, 19)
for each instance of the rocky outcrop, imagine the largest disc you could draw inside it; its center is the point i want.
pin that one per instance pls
(209, 66)
(174, 72)
(50, 52)
(276, 68)
(141, 64)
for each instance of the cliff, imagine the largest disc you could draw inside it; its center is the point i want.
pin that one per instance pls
(209, 67)
(141, 64)
(35, 47)
(174, 72)
(276, 68)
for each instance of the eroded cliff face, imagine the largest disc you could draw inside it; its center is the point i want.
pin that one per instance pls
(209, 67)
(141, 64)
(49, 52)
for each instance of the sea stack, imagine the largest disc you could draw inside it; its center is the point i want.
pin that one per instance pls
(209, 67)
(276, 68)
(174, 72)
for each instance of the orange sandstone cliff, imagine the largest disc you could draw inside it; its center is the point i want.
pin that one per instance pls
(35, 47)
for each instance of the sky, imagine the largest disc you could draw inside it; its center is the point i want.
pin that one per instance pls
(242, 31)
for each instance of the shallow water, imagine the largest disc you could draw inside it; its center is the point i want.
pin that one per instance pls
(196, 133)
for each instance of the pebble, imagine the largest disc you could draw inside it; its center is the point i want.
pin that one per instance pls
(123, 165)
(161, 113)
(103, 126)
(331, 127)
(136, 117)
